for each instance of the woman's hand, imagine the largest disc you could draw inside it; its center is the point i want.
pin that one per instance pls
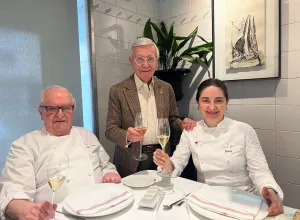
(273, 200)
(162, 160)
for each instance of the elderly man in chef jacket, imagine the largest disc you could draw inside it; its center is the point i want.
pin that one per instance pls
(25, 193)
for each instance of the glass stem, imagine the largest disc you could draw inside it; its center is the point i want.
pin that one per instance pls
(52, 197)
(141, 148)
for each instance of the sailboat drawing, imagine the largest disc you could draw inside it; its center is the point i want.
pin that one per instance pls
(244, 47)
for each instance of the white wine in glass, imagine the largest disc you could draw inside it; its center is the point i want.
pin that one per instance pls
(57, 170)
(163, 135)
(140, 125)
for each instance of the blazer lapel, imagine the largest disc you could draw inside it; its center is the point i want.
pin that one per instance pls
(131, 96)
(159, 98)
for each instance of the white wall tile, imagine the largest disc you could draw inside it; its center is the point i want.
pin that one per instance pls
(290, 11)
(235, 112)
(107, 75)
(287, 144)
(288, 92)
(291, 194)
(99, 6)
(124, 50)
(287, 118)
(267, 140)
(195, 113)
(113, 2)
(271, 163)
(259, 116)
(290, 37)
(285, 14)
(124, 71)
(156, 10)
(287, 169)
(260, 91)
(128, 4)
(179, 7)
(105, 25)
(126, 31)
(102, 104)
(139, 30)
(235, 92)
(106, 49)
(115, 11)
(200, 4)
(290, 64)
(165, 9)
(145, 7)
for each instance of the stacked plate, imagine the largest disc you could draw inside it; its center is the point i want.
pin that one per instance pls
(98, 200)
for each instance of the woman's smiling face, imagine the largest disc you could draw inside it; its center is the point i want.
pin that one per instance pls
(212, 104)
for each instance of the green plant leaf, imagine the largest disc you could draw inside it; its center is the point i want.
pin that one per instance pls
(148, 30)
(203, 39)
(189, 58)
(181, 45)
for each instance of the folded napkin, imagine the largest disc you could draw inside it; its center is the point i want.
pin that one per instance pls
(96, 198)
(227, 201)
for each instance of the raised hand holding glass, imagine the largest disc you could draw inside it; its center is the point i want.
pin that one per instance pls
(57, 169)
(140, 125)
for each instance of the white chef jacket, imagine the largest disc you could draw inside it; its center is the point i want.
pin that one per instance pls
(24, 175)
(228, 155)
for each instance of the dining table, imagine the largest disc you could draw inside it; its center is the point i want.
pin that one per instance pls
(135, 212)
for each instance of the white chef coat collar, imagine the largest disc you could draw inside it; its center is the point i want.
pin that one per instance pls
(221, 126)
(45, 132)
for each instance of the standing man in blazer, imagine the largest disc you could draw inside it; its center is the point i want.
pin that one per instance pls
(141, 92)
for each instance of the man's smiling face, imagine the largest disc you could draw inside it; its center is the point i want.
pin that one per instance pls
(145, 70)
(58, 123)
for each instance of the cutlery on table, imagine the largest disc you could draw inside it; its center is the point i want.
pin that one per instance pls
(178, 202)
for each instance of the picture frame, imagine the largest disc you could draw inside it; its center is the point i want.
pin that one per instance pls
(231, 59)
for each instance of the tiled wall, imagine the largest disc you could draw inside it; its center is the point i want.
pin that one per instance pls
(271, 106)
(117, 24)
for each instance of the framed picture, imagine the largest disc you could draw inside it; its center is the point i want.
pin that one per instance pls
(246, 37)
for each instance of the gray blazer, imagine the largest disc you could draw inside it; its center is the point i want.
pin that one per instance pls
(122, 108)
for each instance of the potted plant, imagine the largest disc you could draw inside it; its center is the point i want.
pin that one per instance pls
(170, 48)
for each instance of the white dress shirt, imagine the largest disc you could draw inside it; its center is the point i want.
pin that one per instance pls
(228, 155)
(148, 109)
(24, 174)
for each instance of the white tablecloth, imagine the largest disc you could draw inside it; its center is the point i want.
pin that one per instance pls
(133, 212)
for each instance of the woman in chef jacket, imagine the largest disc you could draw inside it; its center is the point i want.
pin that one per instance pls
(225, 152)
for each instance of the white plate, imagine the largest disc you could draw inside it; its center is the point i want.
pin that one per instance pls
(263, 212)
(284, 217)
(105, 212)
(138, 180)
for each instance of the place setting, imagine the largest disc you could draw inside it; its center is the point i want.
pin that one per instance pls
(96, 200)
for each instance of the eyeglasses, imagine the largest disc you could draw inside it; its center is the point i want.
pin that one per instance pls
(55, 109)
(141, 60)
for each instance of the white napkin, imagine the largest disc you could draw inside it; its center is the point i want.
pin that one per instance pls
(227, 201)
(96, 198)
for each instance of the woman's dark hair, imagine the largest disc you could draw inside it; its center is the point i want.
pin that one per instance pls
(212, 82)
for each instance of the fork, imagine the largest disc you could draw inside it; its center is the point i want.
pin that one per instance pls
(180, 201)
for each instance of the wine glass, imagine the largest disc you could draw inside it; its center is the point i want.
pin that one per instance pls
(163, 135)
(140, 125)
(57, 169)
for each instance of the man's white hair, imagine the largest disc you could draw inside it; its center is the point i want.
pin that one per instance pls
(143, 41)
(42, 98)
